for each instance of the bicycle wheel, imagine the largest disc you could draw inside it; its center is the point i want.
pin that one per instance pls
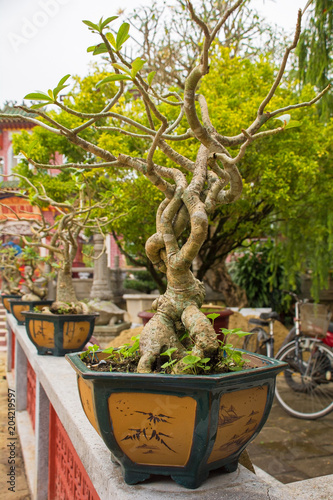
(256, 342)
(305, 387)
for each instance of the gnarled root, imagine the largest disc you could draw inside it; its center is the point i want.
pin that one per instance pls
(157, 336)
(163, 331)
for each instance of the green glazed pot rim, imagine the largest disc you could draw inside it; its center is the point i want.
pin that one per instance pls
(271, 365)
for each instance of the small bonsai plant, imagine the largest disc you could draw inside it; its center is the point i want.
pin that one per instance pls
(192, 189)
(60, 238)
(33, 270)
(10, 271)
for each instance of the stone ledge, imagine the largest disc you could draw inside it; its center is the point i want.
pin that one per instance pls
(59, 382)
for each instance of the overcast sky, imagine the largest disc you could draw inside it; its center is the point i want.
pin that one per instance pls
(43, 40)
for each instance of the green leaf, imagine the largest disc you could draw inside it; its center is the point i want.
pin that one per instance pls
(107, 21)
(100, 49)
(169, 351)
(212, 316)
(190, 359)
(91, 25)
(63, 80)
(150, 77)
(123, 68)
(112, 78)
(38, 106)
(51, 94)
(122, 35)
(110, 37)
(38, 96)
(293, 124)
(137, 65)
(91, 48)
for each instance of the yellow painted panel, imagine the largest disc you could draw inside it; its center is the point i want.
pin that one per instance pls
(17, 311)
(6, 303)
(75, 333)
(87, 401)
(240, 414)
(42, 332)
(153, 428)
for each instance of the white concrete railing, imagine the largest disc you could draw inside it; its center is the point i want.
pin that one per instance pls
(56, 384)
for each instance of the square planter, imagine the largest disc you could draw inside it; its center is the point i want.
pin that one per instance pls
(177, 425)
(59, 334)
(17, 306)
(5, 300)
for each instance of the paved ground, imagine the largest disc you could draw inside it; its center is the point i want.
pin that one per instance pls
(291, 449)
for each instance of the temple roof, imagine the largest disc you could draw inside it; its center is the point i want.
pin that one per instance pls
(14, 121)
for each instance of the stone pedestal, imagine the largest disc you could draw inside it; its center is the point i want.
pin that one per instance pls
(136, 303)
(101, 288)
(116, 280)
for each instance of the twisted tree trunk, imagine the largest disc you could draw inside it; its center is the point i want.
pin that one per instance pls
(178, 309)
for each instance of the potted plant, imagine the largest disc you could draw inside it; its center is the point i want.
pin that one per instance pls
(176, 423)
(67, 324)
(35, 297)
(10, 274)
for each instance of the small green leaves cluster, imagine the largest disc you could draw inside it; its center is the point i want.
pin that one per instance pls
(90, 353)
(125, 351)
(195, 364)
(231, 358)
(228, 359)
(50, 97)
(168, 364)
(116, 42)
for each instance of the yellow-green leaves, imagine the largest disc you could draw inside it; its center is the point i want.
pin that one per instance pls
(136, 66)
(122, 35)
(150, 77)
(130, 73)
(113, 78)
(98, 28)
(51, 95)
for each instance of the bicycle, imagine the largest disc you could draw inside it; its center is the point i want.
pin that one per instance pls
(305, 387)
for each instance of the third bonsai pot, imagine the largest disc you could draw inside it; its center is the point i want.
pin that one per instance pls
(17, 306)
(59, 334)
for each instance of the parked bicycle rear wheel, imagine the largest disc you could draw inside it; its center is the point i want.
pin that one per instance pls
(257, 342)
(305, 387)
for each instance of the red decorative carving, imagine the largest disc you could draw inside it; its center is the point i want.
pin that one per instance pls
(31, 394)
(68, 479)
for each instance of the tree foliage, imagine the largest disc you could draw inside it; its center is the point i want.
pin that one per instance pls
(314, 52)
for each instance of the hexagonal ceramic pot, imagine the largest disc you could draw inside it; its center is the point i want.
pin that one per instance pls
(59, 334)
(17, 306)
(177, 425)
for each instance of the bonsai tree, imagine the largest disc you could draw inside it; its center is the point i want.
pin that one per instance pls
(60, 238)
(10, 272)
(33, 269)
(191, 189)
